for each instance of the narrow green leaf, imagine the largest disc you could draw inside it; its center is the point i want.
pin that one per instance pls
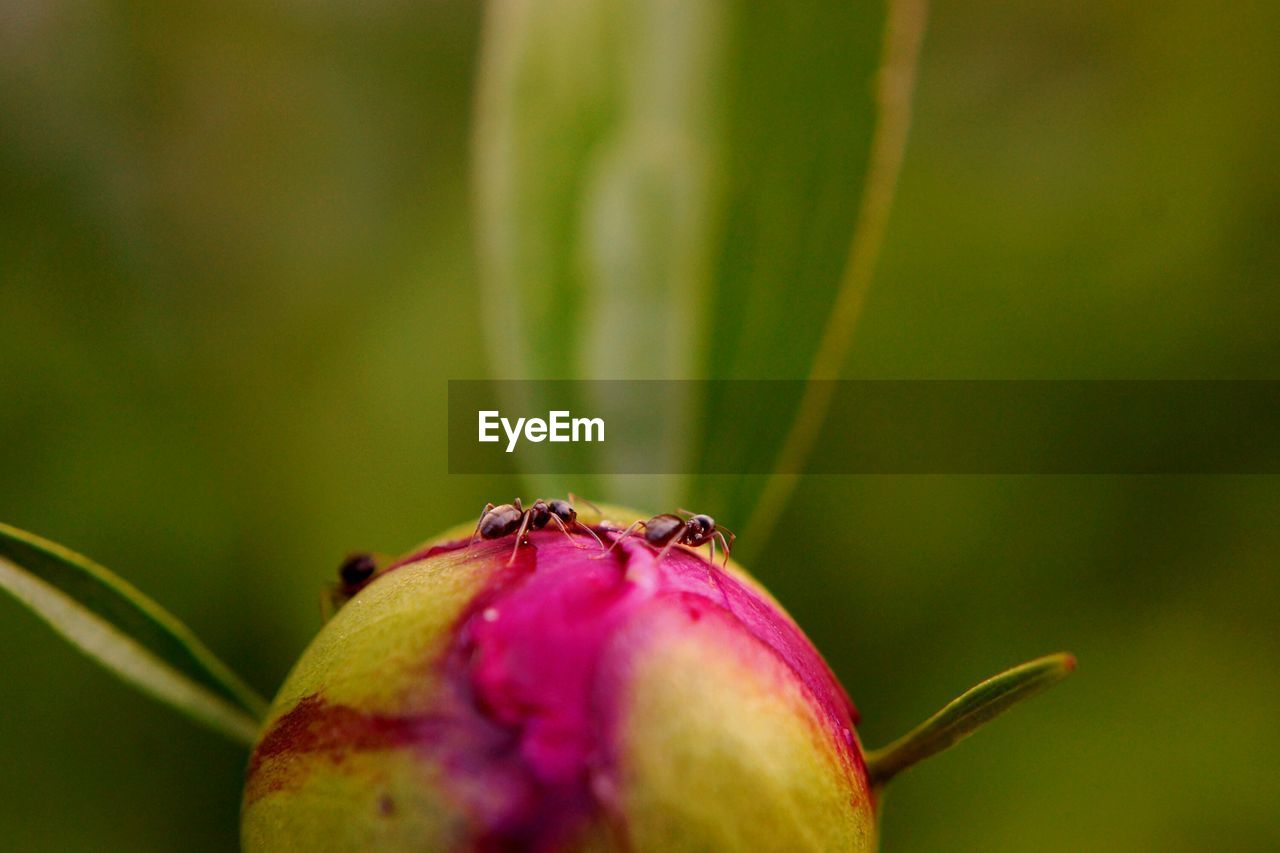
(128, 633)
(670, 190)
(966, 714)
(904, 32)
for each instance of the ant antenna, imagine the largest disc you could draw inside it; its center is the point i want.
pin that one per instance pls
(565, 531)
(573, 499)
(586, 528)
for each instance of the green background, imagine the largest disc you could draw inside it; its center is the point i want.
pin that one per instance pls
(236, 269)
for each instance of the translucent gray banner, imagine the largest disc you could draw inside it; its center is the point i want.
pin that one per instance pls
(871, 427)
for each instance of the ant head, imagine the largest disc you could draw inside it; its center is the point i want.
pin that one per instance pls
(563, 510)
(357, 569)
(698, 530)
(701, 524)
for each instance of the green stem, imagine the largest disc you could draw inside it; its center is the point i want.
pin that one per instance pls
(966, 714)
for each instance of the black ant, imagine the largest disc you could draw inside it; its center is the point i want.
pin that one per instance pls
(499, 521)
(356, 570)
(668, 530)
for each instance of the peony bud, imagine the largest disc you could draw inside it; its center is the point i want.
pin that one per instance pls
(566, 700)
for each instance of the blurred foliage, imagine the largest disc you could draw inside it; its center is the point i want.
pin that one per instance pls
(668, 190)
(126, 632)
(236, 267)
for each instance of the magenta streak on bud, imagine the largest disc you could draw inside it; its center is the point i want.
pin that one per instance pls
(314, 725)
(535, 680)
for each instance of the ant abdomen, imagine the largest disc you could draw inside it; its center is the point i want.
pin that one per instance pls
(500, 521)
(662, 529)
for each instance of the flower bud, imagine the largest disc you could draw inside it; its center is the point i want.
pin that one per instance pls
(569, 699)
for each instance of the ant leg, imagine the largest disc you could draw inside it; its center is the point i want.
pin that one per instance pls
(630, 530)
(524, 526)
(675, 540)
(725, 543)
(711, 565)
(721, 530)
(683, 511)
(476, 534)
(328, 606)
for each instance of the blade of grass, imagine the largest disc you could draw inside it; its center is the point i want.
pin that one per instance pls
(126, 632)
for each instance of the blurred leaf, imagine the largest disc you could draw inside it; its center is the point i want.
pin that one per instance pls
(966, 714)
(670, 190)
(126, 632)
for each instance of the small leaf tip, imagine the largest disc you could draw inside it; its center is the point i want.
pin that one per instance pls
(967, 713)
